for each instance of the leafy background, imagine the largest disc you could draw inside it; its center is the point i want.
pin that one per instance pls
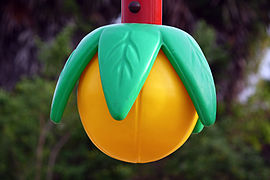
(36, 37)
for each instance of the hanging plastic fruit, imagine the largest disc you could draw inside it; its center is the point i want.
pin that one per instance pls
(144, 87)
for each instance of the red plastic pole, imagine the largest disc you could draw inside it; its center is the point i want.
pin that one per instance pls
(142, 11)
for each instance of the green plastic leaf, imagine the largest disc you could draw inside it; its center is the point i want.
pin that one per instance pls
(189, 62)
(198, 128)
(72, 71)
(126, 55)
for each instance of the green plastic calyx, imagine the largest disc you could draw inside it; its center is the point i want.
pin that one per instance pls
(126, 56)
(126, 53)
(72, 71)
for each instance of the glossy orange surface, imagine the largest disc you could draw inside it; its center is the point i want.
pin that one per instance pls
(160, 121)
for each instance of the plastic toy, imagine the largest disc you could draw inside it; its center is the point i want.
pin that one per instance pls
(144, 87)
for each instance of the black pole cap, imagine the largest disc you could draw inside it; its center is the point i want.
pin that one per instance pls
(134, 7)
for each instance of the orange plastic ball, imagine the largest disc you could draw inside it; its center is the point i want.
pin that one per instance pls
(160, 121)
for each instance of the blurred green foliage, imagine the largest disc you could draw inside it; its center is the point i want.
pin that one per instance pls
(32, 147)
(52, 54)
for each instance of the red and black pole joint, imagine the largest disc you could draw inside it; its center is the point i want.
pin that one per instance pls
(142, 11)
